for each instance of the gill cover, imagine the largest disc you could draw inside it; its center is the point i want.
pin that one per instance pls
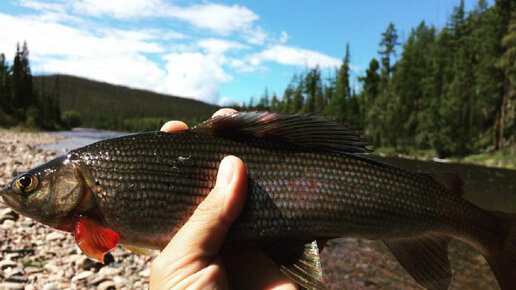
(47, 193)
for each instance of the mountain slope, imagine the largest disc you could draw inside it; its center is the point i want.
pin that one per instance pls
(108, 106)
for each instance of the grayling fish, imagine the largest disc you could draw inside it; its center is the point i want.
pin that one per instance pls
(306, 182)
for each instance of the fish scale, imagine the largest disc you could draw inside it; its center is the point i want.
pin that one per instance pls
(305, 183)
(292, 193)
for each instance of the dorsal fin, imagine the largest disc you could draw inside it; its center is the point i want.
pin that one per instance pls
(451, 181)
(308, 131)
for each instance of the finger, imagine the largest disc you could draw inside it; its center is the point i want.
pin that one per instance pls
(174, 126)
(257, 270)
(205, 231)
(224, 111)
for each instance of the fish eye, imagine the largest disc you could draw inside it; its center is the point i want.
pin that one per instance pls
(26, 183)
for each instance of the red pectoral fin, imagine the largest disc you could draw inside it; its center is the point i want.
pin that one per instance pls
(93, 239)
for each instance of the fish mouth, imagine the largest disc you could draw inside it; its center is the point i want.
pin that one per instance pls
(7, 197)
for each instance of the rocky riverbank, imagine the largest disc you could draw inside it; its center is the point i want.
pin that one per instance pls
(34, 256)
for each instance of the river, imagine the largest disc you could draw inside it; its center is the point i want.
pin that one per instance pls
(358, 263)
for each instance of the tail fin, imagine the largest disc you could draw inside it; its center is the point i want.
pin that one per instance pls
(503, 261)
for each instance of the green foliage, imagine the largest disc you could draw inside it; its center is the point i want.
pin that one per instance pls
(71, 118)
(20, 103)
(451, 91)
(107, 106)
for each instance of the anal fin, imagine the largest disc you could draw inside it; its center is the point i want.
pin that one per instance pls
(138, 250)
(300, 263)
(93, 239)
(425, 258)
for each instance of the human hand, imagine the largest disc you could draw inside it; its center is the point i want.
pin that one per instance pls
(193, 260)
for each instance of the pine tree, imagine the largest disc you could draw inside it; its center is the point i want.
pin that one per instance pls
(4, 84)
(313, 90)
(370, 94)
(507, 63)
(286, 103)
(407, 84)
(298, 101)
(337, 108)
(389, 42)
(275, 104)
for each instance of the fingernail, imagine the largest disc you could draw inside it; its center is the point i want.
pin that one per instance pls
(225, 174)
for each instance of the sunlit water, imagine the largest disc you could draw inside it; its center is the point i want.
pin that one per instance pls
(79, 138)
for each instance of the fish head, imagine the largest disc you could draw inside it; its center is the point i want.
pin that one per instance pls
(48, 193)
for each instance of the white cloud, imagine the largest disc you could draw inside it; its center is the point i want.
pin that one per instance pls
(219, 18)
(121, 9)
(141, 34)
(219, 46)
(109, 55)
(255, 35)
(47, 38)
(194, 75)
(62, 40)
(39, 5)
(131, 70)
(289, 55)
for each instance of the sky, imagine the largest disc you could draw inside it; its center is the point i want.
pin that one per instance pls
(220, 52)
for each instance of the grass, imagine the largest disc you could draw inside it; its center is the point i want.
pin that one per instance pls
(504, 159)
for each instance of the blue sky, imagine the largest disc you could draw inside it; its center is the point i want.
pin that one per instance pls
(214, 51)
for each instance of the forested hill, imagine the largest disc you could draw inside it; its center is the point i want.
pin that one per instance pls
(452, 90)
(106, 106)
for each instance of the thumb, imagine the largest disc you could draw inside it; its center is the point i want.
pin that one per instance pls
(205, 231)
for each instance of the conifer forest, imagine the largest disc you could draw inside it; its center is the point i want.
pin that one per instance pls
(451, 90)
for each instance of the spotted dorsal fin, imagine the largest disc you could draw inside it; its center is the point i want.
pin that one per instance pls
(307, 131)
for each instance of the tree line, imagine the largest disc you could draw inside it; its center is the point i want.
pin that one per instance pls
(20, 103)
(451, 90)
